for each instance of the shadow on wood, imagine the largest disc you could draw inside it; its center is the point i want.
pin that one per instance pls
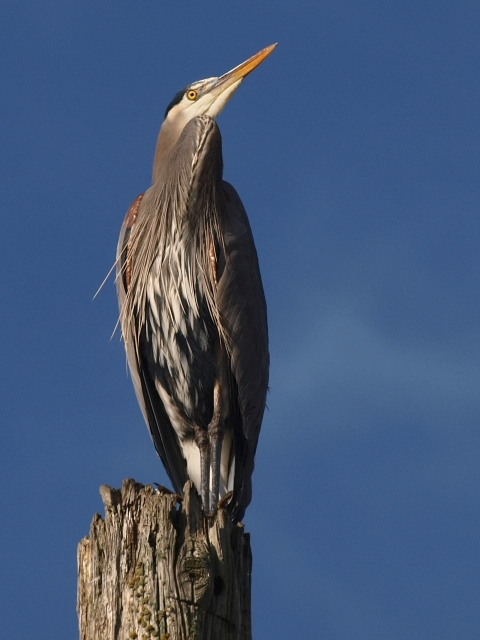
(157, 569)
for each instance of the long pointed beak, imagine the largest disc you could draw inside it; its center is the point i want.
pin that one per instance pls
(238, 73)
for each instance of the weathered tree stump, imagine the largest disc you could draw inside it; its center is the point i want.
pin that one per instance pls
(154, 569)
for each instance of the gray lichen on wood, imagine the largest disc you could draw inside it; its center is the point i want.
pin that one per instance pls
(154, 569)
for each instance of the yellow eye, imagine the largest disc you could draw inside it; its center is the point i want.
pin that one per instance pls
(191, 95)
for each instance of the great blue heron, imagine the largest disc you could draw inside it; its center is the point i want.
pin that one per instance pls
(192, 307)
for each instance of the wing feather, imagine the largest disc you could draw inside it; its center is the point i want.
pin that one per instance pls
(153, 410)
(243, 310)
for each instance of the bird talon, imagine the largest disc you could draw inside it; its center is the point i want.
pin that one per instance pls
(159, 488)
(222, 503)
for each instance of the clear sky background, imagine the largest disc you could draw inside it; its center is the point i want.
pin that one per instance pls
(356, 148)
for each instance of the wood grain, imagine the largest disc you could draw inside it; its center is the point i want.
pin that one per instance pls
(157, 568)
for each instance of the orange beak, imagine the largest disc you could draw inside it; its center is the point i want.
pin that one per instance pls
(238, 73)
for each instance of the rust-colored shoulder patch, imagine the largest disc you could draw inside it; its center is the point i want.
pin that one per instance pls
(213, 260)
(127, 256)
(133, 211)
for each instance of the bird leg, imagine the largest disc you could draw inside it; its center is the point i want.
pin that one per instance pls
(216, 431)
(201, 440)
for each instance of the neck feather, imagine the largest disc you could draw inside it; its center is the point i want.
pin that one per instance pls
(168, 136)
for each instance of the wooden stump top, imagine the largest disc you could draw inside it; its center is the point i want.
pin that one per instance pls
(158, 568)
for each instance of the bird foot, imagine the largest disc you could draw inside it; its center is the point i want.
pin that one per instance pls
(159, 488)
(221, 504)
(225, 500)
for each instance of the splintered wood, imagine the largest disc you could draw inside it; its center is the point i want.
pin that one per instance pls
(154, 569)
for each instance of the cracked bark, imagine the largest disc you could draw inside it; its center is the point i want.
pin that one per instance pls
(154, 569)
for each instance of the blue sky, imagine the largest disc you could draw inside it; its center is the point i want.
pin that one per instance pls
(355, 148)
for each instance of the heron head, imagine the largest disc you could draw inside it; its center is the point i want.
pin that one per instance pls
(204, 97)
(209, 96)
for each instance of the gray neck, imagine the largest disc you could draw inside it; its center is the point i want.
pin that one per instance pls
(168, 136)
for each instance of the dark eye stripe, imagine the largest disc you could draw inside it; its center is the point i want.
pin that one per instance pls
(176, 99)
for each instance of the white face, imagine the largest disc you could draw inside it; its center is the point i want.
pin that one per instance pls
(202, 98)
